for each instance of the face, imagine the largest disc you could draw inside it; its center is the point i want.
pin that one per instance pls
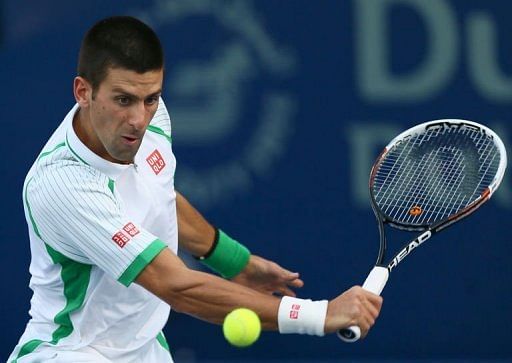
(113, 121)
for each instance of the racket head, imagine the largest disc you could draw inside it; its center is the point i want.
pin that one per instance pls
(436, 173)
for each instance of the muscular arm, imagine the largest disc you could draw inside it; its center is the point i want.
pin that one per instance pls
(202, 295)
(211, 298)
(195, 234)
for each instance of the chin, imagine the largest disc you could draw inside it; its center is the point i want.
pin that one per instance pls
(122, 158)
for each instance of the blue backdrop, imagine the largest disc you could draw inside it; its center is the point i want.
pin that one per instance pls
(279, 108)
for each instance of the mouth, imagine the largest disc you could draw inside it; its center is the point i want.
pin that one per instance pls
(130, 140)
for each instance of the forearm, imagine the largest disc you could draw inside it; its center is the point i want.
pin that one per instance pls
(195, 234)
(202, 295)
(217, 250)
(210, 298)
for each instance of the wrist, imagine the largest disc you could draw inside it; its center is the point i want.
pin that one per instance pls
(227, 256)
(302, 316)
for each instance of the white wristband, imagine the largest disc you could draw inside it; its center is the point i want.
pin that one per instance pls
(302, 316)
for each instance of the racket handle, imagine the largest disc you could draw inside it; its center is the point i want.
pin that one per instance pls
(375, 283)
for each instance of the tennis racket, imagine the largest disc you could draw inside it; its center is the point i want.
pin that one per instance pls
(426, 179)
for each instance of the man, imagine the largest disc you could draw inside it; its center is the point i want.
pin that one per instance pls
(105, 223)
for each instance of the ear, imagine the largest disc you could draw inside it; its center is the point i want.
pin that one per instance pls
(82, 91)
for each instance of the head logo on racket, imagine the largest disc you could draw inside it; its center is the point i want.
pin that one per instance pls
(415, 211)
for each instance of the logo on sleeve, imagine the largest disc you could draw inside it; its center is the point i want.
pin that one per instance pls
(131, 229)
(156, 161)
(122, 237)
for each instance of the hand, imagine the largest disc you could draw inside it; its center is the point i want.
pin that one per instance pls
(355, 306)
(268, 277)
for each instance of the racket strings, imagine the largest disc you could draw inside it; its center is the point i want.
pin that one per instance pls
(431, 176)
(444, 200)
(429, 187)
(400, 192)
(449, 199)
(410, 192)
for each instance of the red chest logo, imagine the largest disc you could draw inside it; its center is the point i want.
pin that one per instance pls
(156, 161)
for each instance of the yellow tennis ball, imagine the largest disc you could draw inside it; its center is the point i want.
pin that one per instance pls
(241, 327)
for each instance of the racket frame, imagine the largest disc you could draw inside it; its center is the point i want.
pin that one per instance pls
(429, 229)
(378, 276)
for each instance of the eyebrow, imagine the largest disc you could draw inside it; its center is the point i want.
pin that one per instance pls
(124, 92)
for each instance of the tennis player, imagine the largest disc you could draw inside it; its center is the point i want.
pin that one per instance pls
(105, 224)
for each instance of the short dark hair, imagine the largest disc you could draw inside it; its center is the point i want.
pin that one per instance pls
(118, 42)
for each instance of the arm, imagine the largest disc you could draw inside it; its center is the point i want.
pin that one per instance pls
(196, 236)
(203, 295)
(210, 298)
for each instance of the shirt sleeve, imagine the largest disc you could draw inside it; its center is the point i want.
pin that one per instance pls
(75, 211)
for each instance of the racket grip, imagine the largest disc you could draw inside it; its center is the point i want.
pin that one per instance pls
(374, 283)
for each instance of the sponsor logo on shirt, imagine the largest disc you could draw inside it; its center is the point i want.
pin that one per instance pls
(156, 161)
(131, 229)
(122, 237)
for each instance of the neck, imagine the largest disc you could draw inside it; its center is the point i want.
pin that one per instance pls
(85, 133)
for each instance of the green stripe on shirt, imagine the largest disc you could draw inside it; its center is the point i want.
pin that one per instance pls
(141, 261)
(162, 341)
(159, 131)
(75, 277)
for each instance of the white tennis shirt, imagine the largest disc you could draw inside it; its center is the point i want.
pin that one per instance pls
(94, 225)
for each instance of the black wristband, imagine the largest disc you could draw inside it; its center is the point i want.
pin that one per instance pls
(213, 246)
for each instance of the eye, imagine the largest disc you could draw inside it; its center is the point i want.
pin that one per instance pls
(123, 100)
(151, 100)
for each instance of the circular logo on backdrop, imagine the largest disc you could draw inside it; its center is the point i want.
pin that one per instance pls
(224, 95)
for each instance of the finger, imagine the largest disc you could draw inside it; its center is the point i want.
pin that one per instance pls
(287, 275)
(372, 309)
(295, 283)
(284, 291)
(374, 299)
(364, 326)
(285, 271)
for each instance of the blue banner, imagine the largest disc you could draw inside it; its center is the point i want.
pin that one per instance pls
(279, 109)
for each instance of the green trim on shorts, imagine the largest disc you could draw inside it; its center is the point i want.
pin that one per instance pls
(75, 277)
(141, 261)
(159, 131)
(162, 341)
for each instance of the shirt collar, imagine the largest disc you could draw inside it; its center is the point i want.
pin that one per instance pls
(86, 155)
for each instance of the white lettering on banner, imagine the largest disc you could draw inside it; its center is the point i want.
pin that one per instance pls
(210, 97)
(483, 59)
(445, 36)
(376, 81)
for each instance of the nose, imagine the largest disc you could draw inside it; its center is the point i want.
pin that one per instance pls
(138, 116)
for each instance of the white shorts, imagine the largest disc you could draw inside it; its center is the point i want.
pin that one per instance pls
(153, 353)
